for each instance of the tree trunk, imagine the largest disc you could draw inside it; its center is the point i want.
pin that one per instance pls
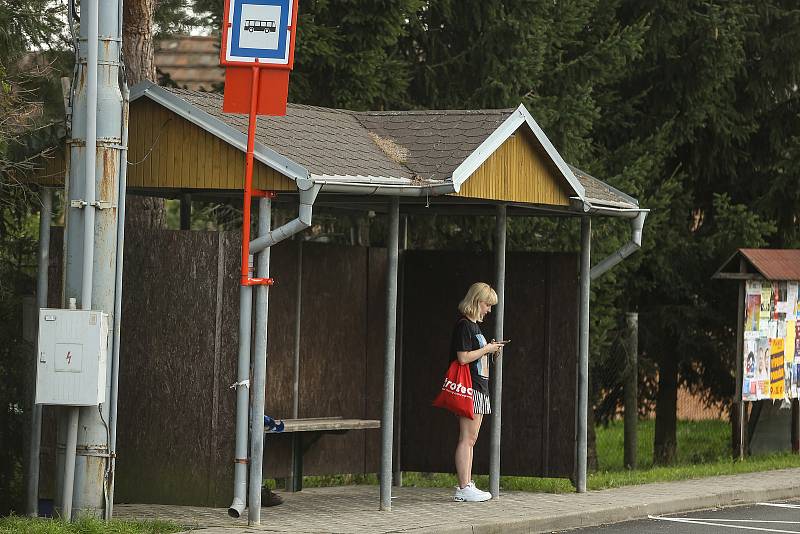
(137, 40)
(138, 54)
(666, 444)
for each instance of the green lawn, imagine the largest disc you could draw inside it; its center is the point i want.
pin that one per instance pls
(703, 450)
(86, 525)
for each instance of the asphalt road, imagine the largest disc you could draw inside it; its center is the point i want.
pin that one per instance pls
(777, 516)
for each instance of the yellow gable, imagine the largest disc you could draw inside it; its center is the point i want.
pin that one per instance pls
(518, 171)
(184, 156)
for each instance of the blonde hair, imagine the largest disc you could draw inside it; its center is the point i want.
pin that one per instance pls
(477, 292)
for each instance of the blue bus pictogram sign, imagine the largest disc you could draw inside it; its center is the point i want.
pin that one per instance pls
(259, 31)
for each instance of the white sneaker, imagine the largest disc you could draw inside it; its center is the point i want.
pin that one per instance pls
(470, 493)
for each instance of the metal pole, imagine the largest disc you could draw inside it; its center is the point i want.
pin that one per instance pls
(242, 402)
(497, 375)
(387, 418)
(103, 153)
(738, 406)
(117, 335)
(45, 214)
(297, 316)
(631, 390)
(397, 468)
(259, 371)
(186, 211)
(583, 356)
(69, 460)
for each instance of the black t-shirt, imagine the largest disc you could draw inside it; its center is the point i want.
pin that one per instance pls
(467, 337)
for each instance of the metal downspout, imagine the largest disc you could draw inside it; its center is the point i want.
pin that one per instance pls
(121, 195)
(583, 356)
(387, 417)
(308, 194)
(259, 370)
(45, 214)
(497, 372)
(242, 386)
(637, 224)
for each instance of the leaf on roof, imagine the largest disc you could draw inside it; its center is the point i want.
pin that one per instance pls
(395, 152)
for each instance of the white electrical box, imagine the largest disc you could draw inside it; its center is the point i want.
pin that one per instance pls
(72, 357)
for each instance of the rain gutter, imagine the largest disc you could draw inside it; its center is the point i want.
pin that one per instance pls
(637, 217)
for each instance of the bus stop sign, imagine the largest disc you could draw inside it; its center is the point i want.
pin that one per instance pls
(258, 34)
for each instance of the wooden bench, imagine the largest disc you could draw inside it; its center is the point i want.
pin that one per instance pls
(305, 432)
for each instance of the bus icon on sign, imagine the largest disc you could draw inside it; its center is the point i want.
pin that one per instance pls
(266, 26)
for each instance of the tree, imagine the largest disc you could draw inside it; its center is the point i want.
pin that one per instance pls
(141, 20)
(26, 127)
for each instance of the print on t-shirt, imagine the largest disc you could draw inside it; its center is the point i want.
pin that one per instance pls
(483, 363)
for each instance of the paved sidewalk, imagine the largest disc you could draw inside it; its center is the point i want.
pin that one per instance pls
(354, 509)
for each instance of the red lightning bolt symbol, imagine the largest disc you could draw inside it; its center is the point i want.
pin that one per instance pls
(69, 357)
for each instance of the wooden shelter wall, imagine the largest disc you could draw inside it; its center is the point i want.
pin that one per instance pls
(519, 171)
(180, 346)
(540, 319)
(171, 152)
(179, 357)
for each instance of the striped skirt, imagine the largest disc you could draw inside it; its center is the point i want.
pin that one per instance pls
(480, 403)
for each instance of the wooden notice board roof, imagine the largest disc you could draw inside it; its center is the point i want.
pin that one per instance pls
(769, 264)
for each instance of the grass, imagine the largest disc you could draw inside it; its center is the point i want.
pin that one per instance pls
(85, 525)
(703, 450)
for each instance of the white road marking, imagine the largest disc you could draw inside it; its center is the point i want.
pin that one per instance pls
(778, 504)
(688, 520)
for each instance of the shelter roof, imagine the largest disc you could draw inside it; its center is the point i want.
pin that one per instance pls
(771, 264)
(181, 141)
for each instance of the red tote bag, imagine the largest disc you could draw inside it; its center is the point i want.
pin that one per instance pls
(456, 394)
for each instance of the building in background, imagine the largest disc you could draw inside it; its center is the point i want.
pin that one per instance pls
(190, 62)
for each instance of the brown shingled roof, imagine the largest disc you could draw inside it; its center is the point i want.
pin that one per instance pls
(381, 146)
(326, 141)
(437, 141)
(774, 264)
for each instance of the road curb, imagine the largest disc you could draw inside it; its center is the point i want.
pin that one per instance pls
(617, 514)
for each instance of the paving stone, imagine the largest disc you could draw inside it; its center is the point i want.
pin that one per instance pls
(354, 509)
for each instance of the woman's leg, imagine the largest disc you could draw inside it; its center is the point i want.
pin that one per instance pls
(467, 436)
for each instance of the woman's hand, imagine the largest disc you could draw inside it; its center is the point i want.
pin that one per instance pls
(493, 348)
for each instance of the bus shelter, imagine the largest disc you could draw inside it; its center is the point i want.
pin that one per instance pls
(482, 162)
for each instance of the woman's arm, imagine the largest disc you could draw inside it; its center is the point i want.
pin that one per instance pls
(465, 357)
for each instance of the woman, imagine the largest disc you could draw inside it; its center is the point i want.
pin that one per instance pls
(470, 347)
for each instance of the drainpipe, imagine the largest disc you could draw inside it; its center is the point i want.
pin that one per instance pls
(637, 223)
(242, 386)
(308, 194)
(330, 186)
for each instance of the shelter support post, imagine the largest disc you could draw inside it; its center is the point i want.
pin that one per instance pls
(739, 443)
(497, 374)
(259, 370)
(298, 311)
(387, 417)
(582, 410)
(631, 390)
(186, 211)
(397, 468)
(32, 489)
